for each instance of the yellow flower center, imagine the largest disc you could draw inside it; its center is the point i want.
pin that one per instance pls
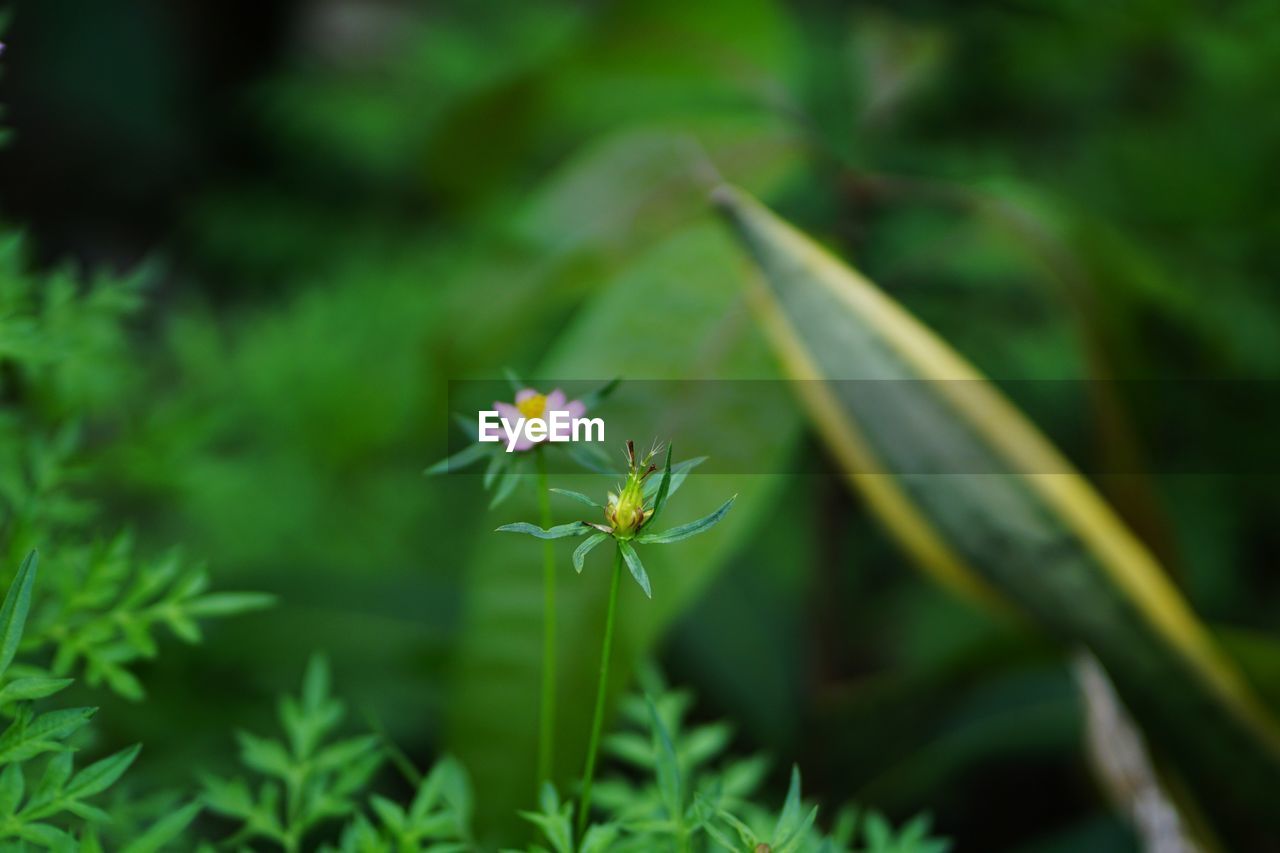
(533, 407)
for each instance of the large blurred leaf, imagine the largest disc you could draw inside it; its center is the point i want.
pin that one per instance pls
(677, 313)
(981, 499)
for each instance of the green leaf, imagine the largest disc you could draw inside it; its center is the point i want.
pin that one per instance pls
(635, 566)
(593, 399)
(514, 380)
(228, 603)
(47, 836)
(229, 797)
(791, 826)
(787, 821)
(1009, 520)
(56, 773)
(667, 766)
(553, 820)
(22, 739)
(560, 531)
(795, 838)
(344, 752)
(580, 553)
(664, 488)
(577, 496)
(164, 831)
(11, 788)
(265, 755)
(506, 485)
(35, 687)
(693, 528)
(498, 464)
(679, 473)
(100, 775)
(13, 613)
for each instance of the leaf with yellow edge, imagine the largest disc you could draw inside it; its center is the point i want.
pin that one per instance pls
(982, 500)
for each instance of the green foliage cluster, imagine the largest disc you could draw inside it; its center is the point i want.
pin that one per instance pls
(51, 809)
(310, 780)
(680, 792)
(67, 364)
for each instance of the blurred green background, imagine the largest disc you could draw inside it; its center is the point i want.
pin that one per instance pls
(334, 207)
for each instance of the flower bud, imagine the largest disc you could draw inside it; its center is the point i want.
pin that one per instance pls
(626, 511)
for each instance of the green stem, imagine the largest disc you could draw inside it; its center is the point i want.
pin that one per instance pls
(606, 648)
(547, 714)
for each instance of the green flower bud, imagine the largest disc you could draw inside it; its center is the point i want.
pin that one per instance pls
(626, 511)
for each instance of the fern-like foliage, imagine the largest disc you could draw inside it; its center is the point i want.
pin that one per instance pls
(438, 819)
(65, 362)
(51, 809)
(307, 778)
(108, 607)
(681, 795)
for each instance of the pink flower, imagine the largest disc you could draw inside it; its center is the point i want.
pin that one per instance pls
(530, 404)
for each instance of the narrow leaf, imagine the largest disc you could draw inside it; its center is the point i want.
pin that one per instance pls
(580, 553)
(163, 831)
(507, 482)
(637, 568)
(35, 687)
(577, 496)
(667, 766)
(1007, 520)
(228, 603)
(679, 473)
(13, 613)
(664, 488)
(100, 775)
(461, 459)
(693, 528)
(560, 531)
(592, 399)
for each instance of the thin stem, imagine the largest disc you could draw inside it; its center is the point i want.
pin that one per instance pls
(606, 648)
(547, 714)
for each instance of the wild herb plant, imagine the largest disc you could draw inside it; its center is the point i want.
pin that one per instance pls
(628, 514)
(438, 818)
(679, 793)
(52, 809)
(503, 472)
(66, 361)
(307, 778)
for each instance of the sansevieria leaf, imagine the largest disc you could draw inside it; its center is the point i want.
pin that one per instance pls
(982, 500)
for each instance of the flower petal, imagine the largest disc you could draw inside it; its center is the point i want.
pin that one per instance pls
(524, 394)
(555, 400)
(508, 411)
(575, 408)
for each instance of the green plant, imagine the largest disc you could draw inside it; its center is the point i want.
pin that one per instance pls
(55, 810)
(503, 472)
(1010, 522)
(680, 794)
(629, 512)
(307, 777)
(438, 818)
(66, 363)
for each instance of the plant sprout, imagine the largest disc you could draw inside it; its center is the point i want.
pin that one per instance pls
(629, 513)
